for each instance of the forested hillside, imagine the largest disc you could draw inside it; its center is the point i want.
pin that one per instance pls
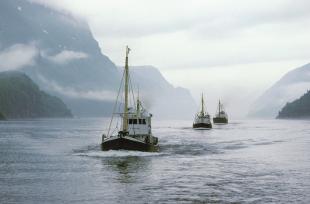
(299, 108)
(20, 97)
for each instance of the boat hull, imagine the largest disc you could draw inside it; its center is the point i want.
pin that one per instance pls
(220, 120)
(122, 143)
(202, 125)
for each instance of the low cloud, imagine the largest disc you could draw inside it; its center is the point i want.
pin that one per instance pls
(102, 95)
(18, 56)
(66, 56)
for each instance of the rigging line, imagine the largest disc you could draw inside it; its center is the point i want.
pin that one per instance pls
(133, 98)
(115, 104)
(120, 111)
(120, 108)
(131, 87)
(115, 130)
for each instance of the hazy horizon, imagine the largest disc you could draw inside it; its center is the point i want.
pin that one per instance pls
(232, 51)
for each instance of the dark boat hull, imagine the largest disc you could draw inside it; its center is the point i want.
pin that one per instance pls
(220, 120)
(202, 125)
(122, 143)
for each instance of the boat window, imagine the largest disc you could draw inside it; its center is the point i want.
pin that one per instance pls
(142, 121)
(135, 121)
(132, 121)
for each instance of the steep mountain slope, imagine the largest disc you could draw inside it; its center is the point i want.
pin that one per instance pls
(297, 109)
(64, 59)
(21, 98)
(288, 88)
(66, 49)
(160, 96)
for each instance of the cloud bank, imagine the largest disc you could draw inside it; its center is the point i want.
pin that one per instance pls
(17, 56)
(102, 95)
(20, 55)
(66, 56)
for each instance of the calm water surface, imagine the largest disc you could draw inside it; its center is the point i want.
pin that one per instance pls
(59, 161)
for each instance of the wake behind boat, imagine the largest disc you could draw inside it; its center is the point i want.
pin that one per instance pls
(202, 118)
(221, 116)
(136, 132)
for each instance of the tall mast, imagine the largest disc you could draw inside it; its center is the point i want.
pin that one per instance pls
(138, 103)
(202, 105)
(125, 118)
(219, 107)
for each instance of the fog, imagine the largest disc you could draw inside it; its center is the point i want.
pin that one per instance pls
(17, 56)
(232, 50)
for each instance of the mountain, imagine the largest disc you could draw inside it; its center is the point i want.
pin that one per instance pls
(60, 54)
(20, 97)
(297, 109)
(66, 60)
(160, 97)
(290, 87)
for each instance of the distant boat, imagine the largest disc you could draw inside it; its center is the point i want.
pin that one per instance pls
(202, 118)
(136, 132)
(220, 116)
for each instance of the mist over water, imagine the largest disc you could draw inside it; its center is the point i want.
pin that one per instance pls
(60, 161)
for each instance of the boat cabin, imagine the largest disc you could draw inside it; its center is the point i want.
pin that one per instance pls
(139, 121)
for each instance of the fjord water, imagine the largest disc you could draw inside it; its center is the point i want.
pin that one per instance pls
(59, 161)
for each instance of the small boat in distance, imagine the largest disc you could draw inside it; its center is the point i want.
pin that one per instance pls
(135, 132)
(202, 118)
(220, 116)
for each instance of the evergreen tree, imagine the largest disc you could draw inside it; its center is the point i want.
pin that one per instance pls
(20, 97)
(299, 108)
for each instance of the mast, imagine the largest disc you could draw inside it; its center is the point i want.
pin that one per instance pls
(125, 118)
(138, 103)
(219, 107)
(202, 105)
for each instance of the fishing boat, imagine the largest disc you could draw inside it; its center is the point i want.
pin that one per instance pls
(202, 118)
(135, 132)
(221, 116)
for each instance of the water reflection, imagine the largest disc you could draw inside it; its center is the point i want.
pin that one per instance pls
(127, 169)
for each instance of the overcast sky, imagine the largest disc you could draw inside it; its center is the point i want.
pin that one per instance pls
(229, 49)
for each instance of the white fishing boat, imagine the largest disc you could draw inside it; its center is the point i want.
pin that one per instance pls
(202, 118)
(135, 132)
